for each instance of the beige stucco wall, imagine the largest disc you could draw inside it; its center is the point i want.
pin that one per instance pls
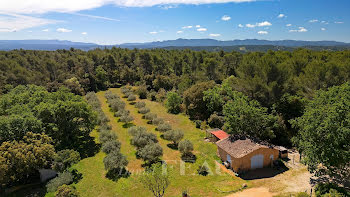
(244, 163)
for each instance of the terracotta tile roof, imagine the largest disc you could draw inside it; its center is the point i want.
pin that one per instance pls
(220, 134)
(239, 148)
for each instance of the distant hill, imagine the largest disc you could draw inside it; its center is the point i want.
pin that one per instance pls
(50, 45)
(194, 44)
(218, 43)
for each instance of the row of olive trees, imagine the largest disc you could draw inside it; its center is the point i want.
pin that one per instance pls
(146, 144)
(174, 135)
(117, 106)
(114, 162)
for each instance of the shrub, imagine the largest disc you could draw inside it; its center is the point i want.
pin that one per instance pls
(173, 103)
(140, 104)
(152, 95)
(127, 94)
(133, 131)
(174, 135)
(161, 95)
(186, 147)
(324, 188)
(115, 160)
(164, 127)
(157, 121)
(122, 112)
(64, 159)
(203, 170)
(66, 191)
(106, 136)
(142, 138)
(198, 123)
(131, 97)
(150, 116)
(64, 178)
(151, 152)
(302, 194)
(142, 92)
(104, 126)
(126, 118)
(111, 146)
(144, 110)
(125, 89)
(116, 105)
(216, 121)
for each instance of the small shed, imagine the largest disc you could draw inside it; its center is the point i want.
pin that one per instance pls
(283, 152)
(244, 154)
(215, 135)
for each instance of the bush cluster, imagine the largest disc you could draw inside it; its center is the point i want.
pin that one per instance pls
(118, 106)
(96, 106)
(146, 144)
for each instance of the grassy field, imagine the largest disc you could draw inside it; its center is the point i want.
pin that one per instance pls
(183, 178)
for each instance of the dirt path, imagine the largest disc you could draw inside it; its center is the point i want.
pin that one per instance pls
(253, 192)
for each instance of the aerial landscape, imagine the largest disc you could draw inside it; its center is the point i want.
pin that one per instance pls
(190, 98)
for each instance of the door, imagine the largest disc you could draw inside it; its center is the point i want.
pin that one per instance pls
(257, 161)
(229, 158)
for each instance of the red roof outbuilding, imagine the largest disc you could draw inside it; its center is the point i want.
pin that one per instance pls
(220, 134)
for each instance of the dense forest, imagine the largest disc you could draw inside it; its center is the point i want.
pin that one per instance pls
(270, 96)
(279, 83)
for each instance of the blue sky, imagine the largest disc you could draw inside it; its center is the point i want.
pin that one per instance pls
(121, 21)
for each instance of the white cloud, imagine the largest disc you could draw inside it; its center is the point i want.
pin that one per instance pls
(313, 21)
(198, 26)
(338, 22)
(187, 27)
(15, 22)
(289, 25)
(323, 29)
(179, 32)
(202, 29)
(84, 33)
(301, 29)
(262, 24)
(63, 30)
(45, 30)
(214, 35)
(44, 6)
(281, 16)
(225, 18)
(263, 32)
(324, 22)
(240, 25)
(96, 17)
(153, 32)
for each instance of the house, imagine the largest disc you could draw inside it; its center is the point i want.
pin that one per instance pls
(244, 154)
(283, 152)
(215, 135)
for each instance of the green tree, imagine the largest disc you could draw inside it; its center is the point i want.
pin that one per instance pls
(21, 159)
(247, 117)
(66, 191)
(186, 147)
(151, 153)
(174, 135)
(173, 103)
(324, 131)
(65, 159)
(156, 180)
(195, 106)
(115, 161)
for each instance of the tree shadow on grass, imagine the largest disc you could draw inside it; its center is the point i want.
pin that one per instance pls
(117, 173)
(189, 158)
(88, 147)
(128, 125)
(172, 146)
(132, 103)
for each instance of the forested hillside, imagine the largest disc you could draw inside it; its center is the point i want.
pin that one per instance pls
(272, 96)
